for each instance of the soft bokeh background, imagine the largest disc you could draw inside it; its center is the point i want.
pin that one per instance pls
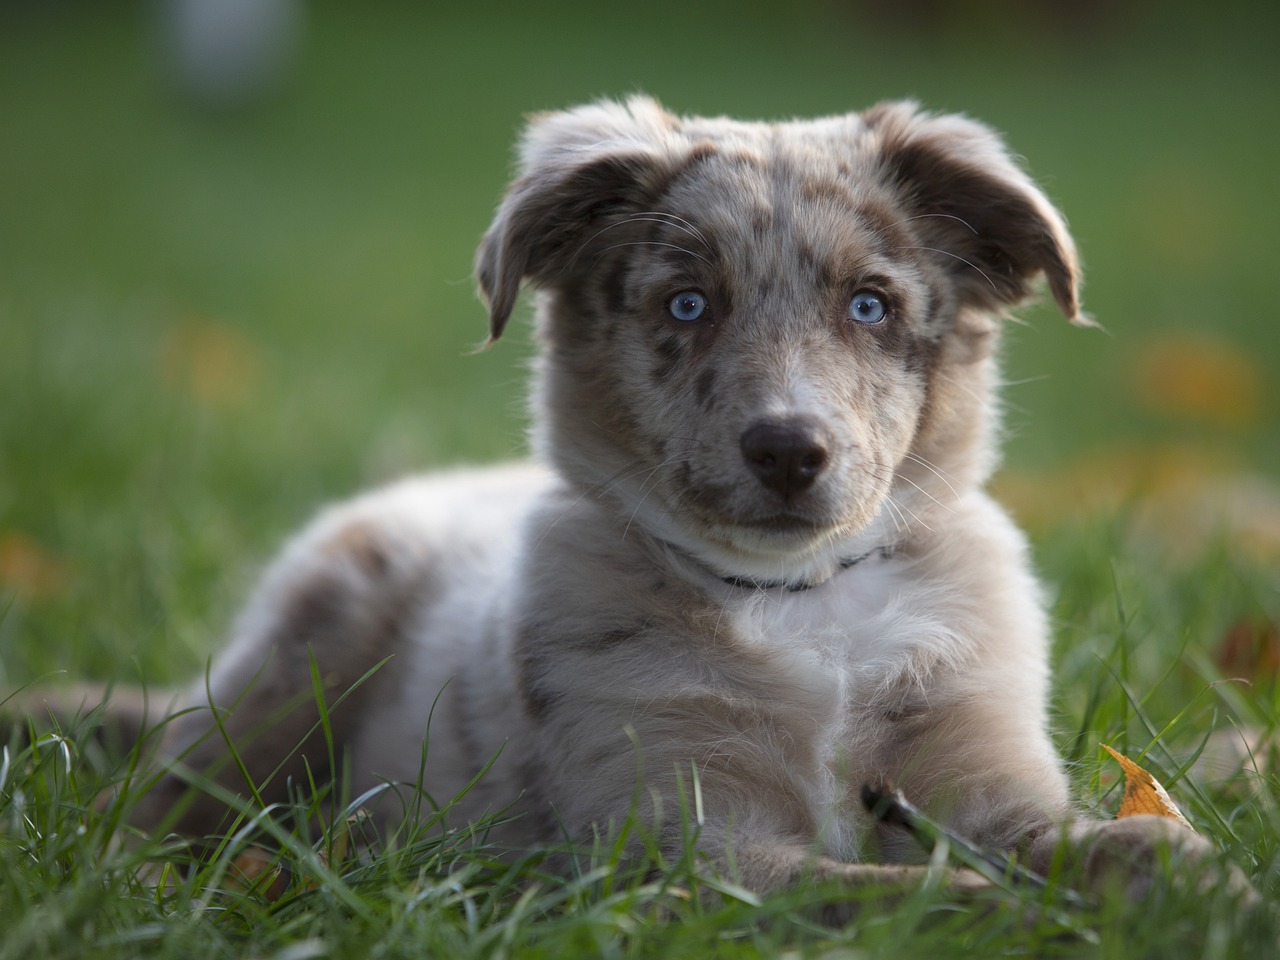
(234, 268)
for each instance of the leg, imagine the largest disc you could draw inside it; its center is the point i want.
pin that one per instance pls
(337, 602)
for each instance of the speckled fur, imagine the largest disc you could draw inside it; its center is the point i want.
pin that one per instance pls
(574, 619)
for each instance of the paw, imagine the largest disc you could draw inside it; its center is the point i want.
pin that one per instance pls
(1126, 857)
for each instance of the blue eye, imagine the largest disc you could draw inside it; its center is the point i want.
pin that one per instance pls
(867, 307)
(688, 306)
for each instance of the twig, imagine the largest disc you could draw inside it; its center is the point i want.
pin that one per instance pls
(888, 805)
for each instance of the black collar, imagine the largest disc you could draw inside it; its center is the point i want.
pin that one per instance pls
(797, 586)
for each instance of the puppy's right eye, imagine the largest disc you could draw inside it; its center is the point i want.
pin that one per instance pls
(688, 306)
(867, 307)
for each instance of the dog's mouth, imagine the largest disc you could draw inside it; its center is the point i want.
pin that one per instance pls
(783, 524)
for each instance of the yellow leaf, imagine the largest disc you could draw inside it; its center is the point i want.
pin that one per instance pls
(214, 363)
(1143, 792)
(255, 869)
(1250, 649)
(29, 569)
(1201, 378)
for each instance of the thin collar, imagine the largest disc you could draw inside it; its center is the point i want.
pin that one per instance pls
(885, 552)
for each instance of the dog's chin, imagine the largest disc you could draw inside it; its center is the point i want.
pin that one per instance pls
(776, 546)
(782, 549)
(782, 527)
(804, 541)
(777, 541)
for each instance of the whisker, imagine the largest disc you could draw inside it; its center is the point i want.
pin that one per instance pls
(934, 470)
(1025, 380)
(644, 494)
(647, 216)
(948, 253)
(649, 243)
(676, 221)
(944, 506)
(940, 216)
(591, 239)
(900, 524)
(593, 490)
(622, 476)
(914, 516)
(961, 386)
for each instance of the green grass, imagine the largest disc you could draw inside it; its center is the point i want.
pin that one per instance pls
(69, 888)
(213, 321)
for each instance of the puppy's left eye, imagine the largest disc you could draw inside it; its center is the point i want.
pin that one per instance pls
(688, 306)
(867, 307)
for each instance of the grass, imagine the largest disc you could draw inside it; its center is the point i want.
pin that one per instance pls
(213, 320)
(68, 888)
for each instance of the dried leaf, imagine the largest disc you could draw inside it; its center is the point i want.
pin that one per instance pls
(259, 871)
(1201, 378)
(215, 364)
(1250, 649)
(29, 569)
(1143, 792)
(341, 850)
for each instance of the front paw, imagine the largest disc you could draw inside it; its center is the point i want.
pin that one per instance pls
(1126, 857)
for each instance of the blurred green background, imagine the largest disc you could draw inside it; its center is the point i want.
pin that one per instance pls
(221, 307)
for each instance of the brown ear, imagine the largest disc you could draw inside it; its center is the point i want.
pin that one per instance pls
(546, 222)
(993, 230)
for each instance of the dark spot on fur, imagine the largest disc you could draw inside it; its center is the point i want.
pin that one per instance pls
(615, 288)
(684, 478)
(700, 153)
(825, 191)
(744, 160)
(359, 544)
(702, 150)
(539, 693)
(764, 288)
(704, 387)
(906, 713)
(670, 352)
(931, 306)
(535, 697)
(888, 225)
(346, 626)
(611, 638)
(896, 338)
(312, 611)
(538, 701)
(924, 354)
(536, 694)
(819, 268)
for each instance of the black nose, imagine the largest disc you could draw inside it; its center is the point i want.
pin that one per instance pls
(786, 455)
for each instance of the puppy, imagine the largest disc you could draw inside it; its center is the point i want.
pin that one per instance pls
(754, 567)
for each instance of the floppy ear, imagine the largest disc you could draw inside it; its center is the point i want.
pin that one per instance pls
(580, 171)
(995, 231)
(543, 223)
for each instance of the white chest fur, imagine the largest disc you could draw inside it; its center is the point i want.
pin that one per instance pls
(866, 624)
(857, 645)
